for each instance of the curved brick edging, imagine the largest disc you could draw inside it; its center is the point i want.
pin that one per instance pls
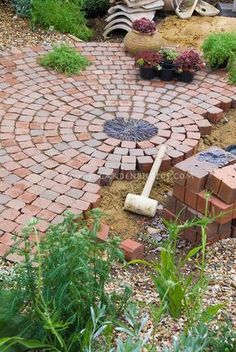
(55, 155)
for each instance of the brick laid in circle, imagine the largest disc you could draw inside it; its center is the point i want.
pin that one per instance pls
(54, 152)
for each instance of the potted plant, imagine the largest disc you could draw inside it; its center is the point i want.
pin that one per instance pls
(187, 63)
(167, 68)
(143, 37)
(218, 48)
(147, 62)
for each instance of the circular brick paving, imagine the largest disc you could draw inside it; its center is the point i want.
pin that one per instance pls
(55, 154)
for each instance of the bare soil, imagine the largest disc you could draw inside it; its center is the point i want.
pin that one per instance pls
(128, 225)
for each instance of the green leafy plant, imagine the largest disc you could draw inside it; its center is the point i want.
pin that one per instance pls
(133, 328)
(169, 54)
(182, 293)
(95, 8)
(63, 16)
(218, 48)
(64, 59)
(196, 340)
(22, 7)
(232, 70)
(223, 339)
(49, 301)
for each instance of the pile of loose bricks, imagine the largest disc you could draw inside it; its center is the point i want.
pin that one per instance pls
(205, 184)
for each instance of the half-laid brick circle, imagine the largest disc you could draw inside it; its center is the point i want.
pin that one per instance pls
(55, 152)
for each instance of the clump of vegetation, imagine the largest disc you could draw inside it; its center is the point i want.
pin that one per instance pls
(218, 48)
(22, 7)
(203, 338)
(63, 16)
(64, 59)
(180, 292)
(95, 8)
(58, 285)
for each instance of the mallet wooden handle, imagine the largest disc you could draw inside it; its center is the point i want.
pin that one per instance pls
(154, 171)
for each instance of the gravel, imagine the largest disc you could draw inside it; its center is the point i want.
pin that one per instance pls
(16, 31)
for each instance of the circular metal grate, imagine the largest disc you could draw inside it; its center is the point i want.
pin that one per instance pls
(129, 129)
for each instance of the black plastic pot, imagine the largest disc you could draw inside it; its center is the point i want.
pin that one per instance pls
(167, 72)
(220, 66)
(147, 72)
(185, 76)
(231, 148)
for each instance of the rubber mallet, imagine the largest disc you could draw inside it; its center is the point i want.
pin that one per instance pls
(143, 205)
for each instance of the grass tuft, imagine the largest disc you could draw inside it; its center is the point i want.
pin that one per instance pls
(64, 59)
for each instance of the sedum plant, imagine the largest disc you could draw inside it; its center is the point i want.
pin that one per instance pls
(64, 59)
(144, 25)
(48, 303)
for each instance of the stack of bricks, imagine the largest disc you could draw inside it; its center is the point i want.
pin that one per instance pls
(212, 172)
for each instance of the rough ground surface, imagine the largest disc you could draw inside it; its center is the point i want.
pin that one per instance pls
(221, 271)
(16, 32)
(127, 225)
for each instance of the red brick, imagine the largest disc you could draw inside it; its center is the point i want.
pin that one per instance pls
(145, 145)
(128, 144)
(224, 230)
(107, 175)
(10, 214)
(129, 159)
(57, 208)
(41, 203)
(81, 205)
(92, 188)
(215, 114)
(127, 171)
(217, 207)
(79, 184)
(14, 192)
(179, 192)
(176, 156)
(202, 202)
(165, 164)
(7, 226)
(27, 197)
(93, 199)
(213, 182)
(190, 235)
(225, 103)
(144, 163)
(103, 232)
(196, 179)
(190, 199)
(205, 127)
(168, 215)
(132, 249)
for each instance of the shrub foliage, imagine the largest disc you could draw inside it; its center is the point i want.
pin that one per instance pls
(63, 16)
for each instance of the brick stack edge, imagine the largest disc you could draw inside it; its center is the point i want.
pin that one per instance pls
(192, 179)
(132, 249)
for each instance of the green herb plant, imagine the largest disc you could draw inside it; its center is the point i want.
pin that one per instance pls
(57, 286)
(218, 48)
(64, 59)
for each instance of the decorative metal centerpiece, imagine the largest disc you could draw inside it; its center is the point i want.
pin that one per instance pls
(129, 129)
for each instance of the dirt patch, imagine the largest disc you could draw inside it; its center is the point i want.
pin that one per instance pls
(128, 225)
(192, 32)
(223, 134)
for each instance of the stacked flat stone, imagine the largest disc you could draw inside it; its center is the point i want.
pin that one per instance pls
(123, 12)
(212, 172)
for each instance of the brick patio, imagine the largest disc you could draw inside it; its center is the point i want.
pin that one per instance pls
(55, 155)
